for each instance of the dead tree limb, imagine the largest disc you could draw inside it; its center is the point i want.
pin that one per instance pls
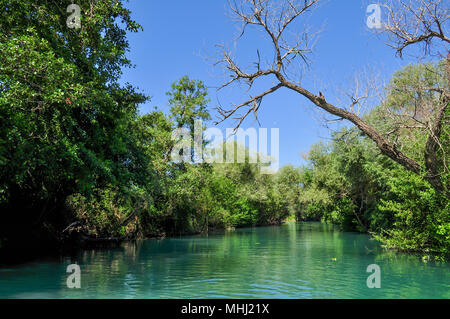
(274, 18)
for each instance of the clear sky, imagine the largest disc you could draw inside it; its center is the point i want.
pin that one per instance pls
(179, 39)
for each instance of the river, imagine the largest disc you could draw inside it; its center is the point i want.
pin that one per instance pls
(295, 260)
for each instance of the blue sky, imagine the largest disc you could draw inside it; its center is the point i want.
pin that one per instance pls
(179, 39)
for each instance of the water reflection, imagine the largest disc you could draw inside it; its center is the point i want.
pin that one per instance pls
(307, 260)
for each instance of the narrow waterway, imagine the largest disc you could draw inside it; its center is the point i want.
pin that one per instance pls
(303, 260)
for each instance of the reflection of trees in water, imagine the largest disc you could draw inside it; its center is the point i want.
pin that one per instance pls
(292, 260)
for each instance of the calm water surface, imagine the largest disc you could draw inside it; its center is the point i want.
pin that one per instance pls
(304, 260)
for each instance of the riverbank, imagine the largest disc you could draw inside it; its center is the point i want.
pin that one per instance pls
(73, 239)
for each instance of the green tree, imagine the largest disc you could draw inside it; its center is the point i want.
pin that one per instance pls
(350, 183)
(64, 119)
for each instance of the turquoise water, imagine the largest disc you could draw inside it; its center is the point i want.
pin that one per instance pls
(306, 260)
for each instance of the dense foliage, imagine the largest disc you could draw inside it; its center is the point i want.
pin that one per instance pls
(65, 122)
(74, 148)
(349, 183)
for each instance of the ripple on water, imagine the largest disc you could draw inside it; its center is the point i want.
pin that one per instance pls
(307, 260)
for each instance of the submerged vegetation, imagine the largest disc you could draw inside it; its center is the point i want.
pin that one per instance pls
(75, 152)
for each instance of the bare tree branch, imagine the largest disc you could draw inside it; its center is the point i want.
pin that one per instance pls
(412, 22)
(275, 17)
